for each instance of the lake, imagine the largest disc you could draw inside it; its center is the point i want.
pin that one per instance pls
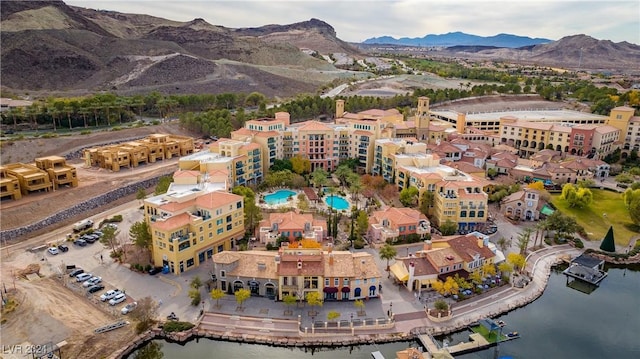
(562, 323)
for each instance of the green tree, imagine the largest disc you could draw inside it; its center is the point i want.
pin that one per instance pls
(280, 165)
(332, 315)
(632, 202)
(252, 213)
(314, 299)
(140, 235)
(319, 177)
(408, 196)
(576, 197)
(360, 305)
(503, 244)
(109, 237)
(516, 260)
(448, 228)
(289, 300)
(426, 202)
(562, 224)
(492, 172)
(343, 172)
(523, 240)
(241, 296)
(141, 195)
(196, 282)
(217, 294)
(441, 305)
(152, 350)
(195, 296)
(145, 314)
(387, 253)
(362, 222)
(300, 164)
(163, 185)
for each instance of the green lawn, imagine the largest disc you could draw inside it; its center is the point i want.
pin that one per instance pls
(592, 217)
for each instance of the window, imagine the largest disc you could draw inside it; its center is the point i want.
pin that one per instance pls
(189, 262)
(336, 282)
(170, 248)
(239, 205)
(229, 226)
(229, 218)
(326, 282)
(345, 281)
(223, 273)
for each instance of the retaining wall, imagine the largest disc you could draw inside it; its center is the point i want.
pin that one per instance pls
(79, 209)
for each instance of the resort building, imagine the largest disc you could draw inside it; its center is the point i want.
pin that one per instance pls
(241, 160)
(448, 257)
(335, 275)
(292, 226)
(523, 205)
(30, 178)
(623, 118)
(189, 224)
(393, 223)
(59, 172)
(9, 185)
(153, 148)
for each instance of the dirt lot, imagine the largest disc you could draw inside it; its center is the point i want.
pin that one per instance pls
(92, 181)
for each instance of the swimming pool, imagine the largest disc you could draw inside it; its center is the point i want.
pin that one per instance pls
(279, 197)
(336, 202)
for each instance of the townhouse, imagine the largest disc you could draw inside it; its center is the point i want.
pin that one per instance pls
(291, 225)
(448, 257)
(334, 275)
(393, 223)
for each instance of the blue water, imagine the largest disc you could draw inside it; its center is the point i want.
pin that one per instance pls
(279, 197)
(336, 202)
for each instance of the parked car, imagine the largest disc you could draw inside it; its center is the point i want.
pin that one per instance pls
(110, 294)
(110, 225)
(92, 281)
(75, 272)
(119, 298)
(91, 238)
(63, 247)
(98, 233)
(155, 270)
(83, 277)
(95, 288)
(129, 307)
(80, 242)
(53, 250)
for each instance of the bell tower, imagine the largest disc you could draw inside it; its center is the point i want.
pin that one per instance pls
(422, 119)
(339, 108)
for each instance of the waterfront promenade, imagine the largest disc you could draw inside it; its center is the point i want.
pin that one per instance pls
(269, 322)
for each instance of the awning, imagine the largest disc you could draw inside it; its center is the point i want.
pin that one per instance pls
(346, 289)
(399, 271)
(546, 210)
(428, 281)
(330, 290)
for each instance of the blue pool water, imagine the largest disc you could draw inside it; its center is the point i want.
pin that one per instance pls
(279, 197)
(336, 202)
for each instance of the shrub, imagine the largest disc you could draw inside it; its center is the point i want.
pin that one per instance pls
(358, 244)
(171, 327)
(116, 128)
(578, 243)
(85, 132)
(147, 267)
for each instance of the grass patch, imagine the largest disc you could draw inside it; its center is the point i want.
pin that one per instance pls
(594, 222)
(491, 337)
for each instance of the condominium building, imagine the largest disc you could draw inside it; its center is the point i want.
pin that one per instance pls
(60, 173)
(334, 275)
(241, 160)
(190, 224)
(595, 140)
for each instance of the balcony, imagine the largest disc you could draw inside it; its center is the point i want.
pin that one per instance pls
(180, 238)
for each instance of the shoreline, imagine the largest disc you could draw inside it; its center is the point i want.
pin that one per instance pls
(513, 301)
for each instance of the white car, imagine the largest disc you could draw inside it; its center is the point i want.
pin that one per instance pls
(129, 308)
(83, 277)
(118, 299)
(91, 281)
(109, 294)
(53, 250)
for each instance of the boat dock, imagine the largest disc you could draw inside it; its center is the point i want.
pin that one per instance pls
(586, 269)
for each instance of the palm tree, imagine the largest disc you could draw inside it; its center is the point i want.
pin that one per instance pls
(32, 112)
(68, 109)
(388, 252)
(343, 172)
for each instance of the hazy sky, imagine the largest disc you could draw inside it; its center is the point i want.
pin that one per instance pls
(357, 20)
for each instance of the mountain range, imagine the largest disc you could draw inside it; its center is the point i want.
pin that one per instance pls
(460, 39)
(50, 48)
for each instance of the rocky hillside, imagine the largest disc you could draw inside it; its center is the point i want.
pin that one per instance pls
(573, 52)
(49, 46)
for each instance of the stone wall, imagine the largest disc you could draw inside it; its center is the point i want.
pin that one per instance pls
(80, 208)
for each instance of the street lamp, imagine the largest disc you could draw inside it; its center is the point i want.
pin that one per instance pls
(351, 317)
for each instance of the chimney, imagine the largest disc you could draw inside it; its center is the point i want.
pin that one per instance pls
(461, 121)
(427, 245)
(480, 243)
(330, 258)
